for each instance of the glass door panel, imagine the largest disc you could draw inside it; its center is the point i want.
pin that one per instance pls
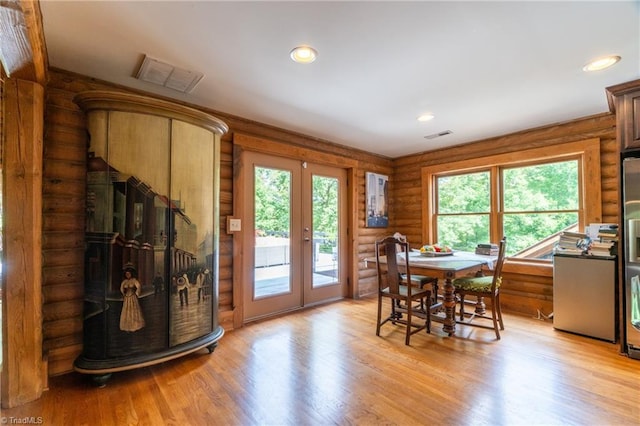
(324, 212)
(325, 208)
(272, 235)
(272, 228)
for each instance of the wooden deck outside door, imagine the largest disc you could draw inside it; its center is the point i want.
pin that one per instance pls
(304, 263)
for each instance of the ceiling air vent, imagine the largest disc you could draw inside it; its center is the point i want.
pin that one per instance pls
(163, 74)
(437, 135)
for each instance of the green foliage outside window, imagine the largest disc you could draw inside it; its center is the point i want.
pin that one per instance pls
(468, 193)
(464, 204)
(537, 201)
(463, 232)
(543, 187)
(325, 212)
(273, 200)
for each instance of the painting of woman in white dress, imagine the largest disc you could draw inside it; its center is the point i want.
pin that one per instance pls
(131, 318)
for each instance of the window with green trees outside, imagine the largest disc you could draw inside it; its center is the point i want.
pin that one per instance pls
(530, 204)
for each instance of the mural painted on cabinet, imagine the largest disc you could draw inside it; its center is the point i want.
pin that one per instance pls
(150, 229)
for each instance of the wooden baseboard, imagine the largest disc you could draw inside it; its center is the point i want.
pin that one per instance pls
(60, 361)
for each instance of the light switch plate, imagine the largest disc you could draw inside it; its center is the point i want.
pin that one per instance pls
(234, 225)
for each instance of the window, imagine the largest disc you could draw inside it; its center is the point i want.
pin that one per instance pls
(463, 209)
(530, 196)
(539, 201)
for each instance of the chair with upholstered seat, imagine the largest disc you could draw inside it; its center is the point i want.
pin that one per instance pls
(483, 287)
(403, 297)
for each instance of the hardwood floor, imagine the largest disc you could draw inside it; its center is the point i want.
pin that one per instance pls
(326, 366)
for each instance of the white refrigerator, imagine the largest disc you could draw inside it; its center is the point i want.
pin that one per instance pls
(584, 295)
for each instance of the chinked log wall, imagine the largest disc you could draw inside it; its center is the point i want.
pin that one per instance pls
(64, 203)
(529, 289)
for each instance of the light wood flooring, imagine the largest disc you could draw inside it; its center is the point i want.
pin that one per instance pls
(325, 366)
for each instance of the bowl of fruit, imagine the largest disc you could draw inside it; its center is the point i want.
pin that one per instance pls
(435, 250)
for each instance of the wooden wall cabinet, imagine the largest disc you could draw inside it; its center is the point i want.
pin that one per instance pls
(151, 262)
(624, 100)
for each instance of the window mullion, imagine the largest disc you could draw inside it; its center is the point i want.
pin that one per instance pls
(497, 204)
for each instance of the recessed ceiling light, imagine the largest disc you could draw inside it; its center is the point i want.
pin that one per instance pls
(304, 54)
(426, 117)
(601, 63)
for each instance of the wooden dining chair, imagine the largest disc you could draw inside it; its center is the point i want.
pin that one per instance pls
(483, 287)
(403, 297)
(420, 280)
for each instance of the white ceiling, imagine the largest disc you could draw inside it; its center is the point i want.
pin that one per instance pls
(482, 68)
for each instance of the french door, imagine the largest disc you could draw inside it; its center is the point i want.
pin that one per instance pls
(295, 235)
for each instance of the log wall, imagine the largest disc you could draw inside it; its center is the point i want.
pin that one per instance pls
(64, 199)
(63, 193)
(526, 290)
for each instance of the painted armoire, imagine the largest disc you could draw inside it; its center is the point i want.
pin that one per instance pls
(152, 230)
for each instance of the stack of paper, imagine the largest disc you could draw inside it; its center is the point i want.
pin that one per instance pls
(606, 243)
(572, 243)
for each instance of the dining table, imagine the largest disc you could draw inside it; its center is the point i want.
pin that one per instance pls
(447, 266)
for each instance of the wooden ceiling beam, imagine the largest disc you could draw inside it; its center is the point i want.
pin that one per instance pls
(22, 47)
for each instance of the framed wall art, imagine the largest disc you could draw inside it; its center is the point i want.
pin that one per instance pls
(377, 197)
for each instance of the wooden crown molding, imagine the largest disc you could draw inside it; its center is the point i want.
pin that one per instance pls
(618, 90)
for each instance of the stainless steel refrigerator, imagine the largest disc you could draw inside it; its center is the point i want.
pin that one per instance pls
(631, 253)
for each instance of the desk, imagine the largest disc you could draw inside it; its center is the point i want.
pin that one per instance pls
(447, 268)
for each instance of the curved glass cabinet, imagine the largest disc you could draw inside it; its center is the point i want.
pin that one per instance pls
(152, 230)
